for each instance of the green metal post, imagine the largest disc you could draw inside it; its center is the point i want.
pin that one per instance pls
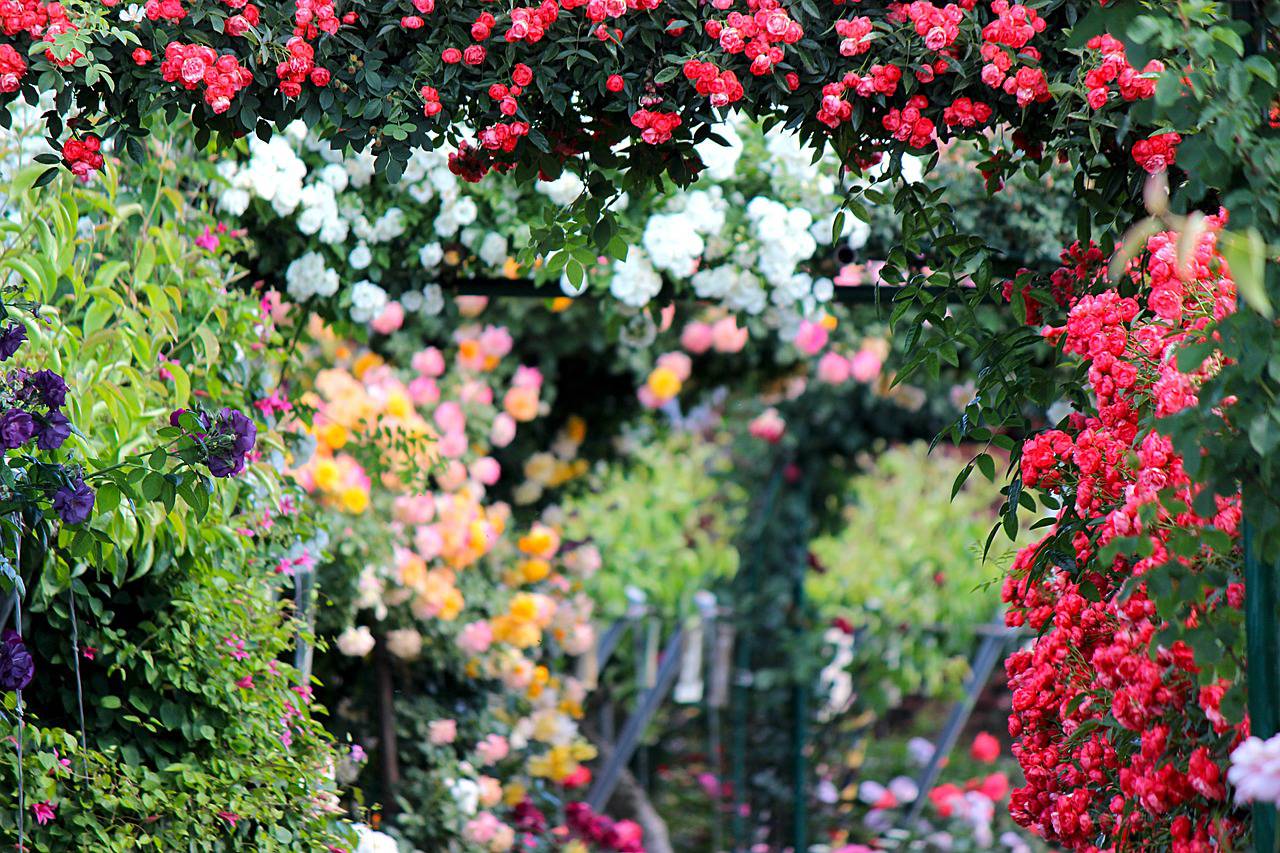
(742, 668)
(1263, 676)
(800, 762)
(800, 691)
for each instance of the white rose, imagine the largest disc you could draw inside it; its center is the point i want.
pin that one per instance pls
(493, 250)
(430, 255)
(404, 643)
(355, 642)
(432, 300)
(372, 841)
(360, 257)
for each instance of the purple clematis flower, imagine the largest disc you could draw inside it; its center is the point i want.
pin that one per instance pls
(16, 665)
(74, 503)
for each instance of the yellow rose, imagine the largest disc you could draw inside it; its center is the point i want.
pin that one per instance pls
(355, 500)
(534, 570)
(365, 363)
(398, 405)
(335, 436)
(524, 607)
(575, 429)
(663, 383)
(326, 474)
(513, 793)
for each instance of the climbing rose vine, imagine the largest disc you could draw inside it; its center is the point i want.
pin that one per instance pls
(590, 83)
(1119, 724)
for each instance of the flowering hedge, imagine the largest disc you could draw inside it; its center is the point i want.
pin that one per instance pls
(469, 619)
(161, 710)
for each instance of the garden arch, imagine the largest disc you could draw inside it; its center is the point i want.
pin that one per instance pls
(1189, 96)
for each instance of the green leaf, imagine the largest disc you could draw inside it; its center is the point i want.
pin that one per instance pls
(1246, 254)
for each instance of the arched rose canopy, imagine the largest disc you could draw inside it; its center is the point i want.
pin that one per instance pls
(593, 84)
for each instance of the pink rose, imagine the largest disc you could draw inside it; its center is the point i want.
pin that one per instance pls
(727, 337)
(428, 362)
(865, 365)
(428, 541)
(678, 363)
(768, 426)
(811, 338)
(833, 369)
(424, 391)
(492, 748)
(475, 639)
(486, 470)
(441, 732)
(495, 341)
(527, 377)
(503, 430)
(696, 338)
(449, 417)
(391, 318)
(452, 445)
(453, 477)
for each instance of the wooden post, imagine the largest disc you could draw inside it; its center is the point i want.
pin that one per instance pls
(388, 749)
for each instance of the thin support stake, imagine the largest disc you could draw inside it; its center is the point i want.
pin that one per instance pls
(75, 659)
(984, 663)
(1263, 668)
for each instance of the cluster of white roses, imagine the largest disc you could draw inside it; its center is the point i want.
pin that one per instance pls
(742, 236)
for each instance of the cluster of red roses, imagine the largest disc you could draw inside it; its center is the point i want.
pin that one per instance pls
(39, 20)
(833, 109)
(1115, 736)
(855, 35)
(760, 36)
(1114, 69)
(82, 155)
(938, 27)
(966, 112)
(12, 68)
(310, 19)
(1156, 153)
(623, 836)
(1009, 66)
(655, 127)
(194, 65)
(722, 87)
(1006, 39)
(909, 124)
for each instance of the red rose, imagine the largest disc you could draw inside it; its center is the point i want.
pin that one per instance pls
(615, 83)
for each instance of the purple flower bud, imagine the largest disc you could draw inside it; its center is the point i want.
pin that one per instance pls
(16, 428)
(74, 503)
(16, 665)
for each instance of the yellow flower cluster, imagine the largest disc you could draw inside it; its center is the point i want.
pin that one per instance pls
(527, 615)
(562, 760)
